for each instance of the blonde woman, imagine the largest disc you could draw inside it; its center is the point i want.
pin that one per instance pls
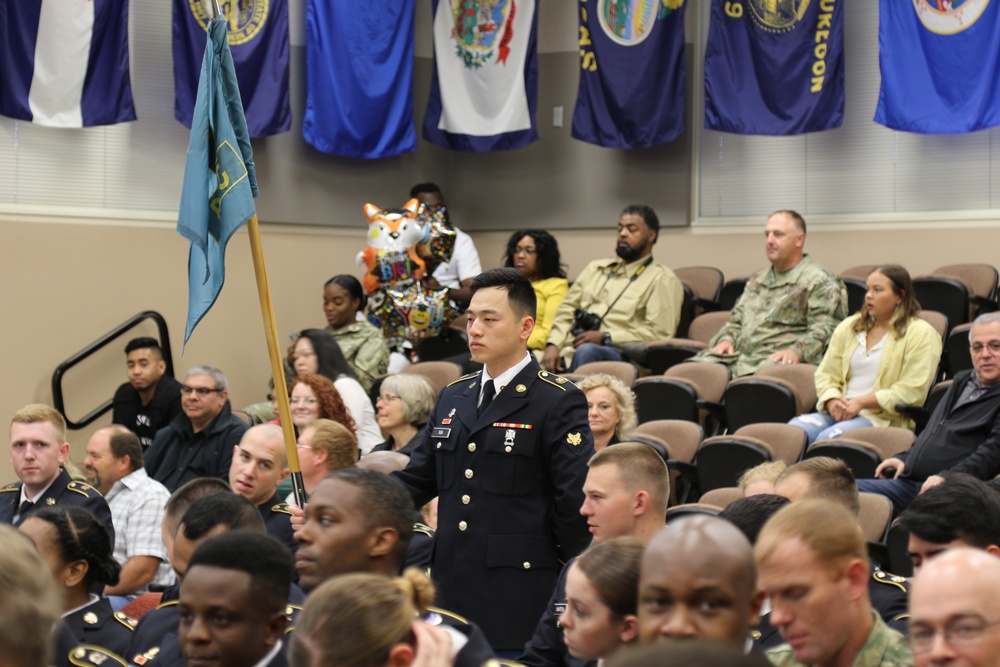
(610, 409)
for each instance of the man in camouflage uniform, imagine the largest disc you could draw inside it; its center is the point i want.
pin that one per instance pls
(787, 312)
(812, 562)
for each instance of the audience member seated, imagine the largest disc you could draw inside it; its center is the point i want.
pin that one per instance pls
(38, 452)
(698, 580)
(31, 604)
(317, 352)
(77, 549)
(617, 303)
(366, 620)
(830, 480)
(233, 601)
(198, 443)
(151, 398)
(962, 511)
(456, 274)
(324, 446)
(787, 312)
(361, 343)
(760, 478)
(813, 565)
(114, 466)
(879, 358)
(535, 253)
(954, 610)
(963, 432)
(601, 599)
(259, 464)
(314, 397)
(610, 409)
(361, 521)
(404, 405)
(625, 495)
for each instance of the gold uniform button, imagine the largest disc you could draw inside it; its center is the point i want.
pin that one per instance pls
(466, 500)
(462, 525)
(472, 446)
(508, 449)
(527, 565)
(468, 474)
(439, 445)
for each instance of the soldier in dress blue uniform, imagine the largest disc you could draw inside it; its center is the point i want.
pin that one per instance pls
(259, 465)
(77, 549)
(38, 449)
(506, 451)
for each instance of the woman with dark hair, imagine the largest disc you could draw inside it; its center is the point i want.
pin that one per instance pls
(314, 397)
(535, 253)
(78, 551)
(361, 343)
(881, 357)
(316, 351)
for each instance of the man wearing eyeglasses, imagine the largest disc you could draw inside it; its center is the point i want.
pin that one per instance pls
(956, 617)
(963, 432)
(199, 442)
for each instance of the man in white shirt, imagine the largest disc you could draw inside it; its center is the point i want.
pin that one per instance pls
(458, 273)
(114, 467)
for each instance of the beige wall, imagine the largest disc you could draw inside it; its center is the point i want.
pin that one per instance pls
(67, 283)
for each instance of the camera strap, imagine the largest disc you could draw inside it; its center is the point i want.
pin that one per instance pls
(635, 276)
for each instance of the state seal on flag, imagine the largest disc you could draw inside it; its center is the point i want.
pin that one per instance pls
(480, 28)
(627, 22)
(777, 15)
(947, 17)
(244, 18)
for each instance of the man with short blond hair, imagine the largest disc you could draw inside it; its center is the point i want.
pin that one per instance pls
(259, 466)
(324, 446)
(38, 450)
(114, 467)
(813, 565)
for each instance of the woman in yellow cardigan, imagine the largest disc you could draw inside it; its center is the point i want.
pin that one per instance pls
(882, 356)
(535, 253)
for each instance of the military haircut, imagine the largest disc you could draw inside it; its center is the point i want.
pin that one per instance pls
(268, 562)
(751, 513)
(39, 413)
(220, 509)
(182, 498)
(31, 602)
(640, 468)
(829, 479)
(520, 293)
(800, 222)
(385, 503)
(144, 343)
(960, 508)
(80, 536)
(830, 530)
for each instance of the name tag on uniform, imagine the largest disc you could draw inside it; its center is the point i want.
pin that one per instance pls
(440, 432)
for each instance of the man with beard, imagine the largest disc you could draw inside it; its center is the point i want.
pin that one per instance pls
(631, 299)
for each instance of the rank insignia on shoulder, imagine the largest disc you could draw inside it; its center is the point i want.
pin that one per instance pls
(82, 488)
(574, 438)
(465, 377)
(126, 620)
(561, 380)
(94, 656)
(553, 379)
(889, 579)
(282, 508)
(50, 501)
(11, 487)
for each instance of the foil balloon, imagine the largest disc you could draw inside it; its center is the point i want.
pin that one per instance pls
(392, 253)
(441, 237)
(410, 312)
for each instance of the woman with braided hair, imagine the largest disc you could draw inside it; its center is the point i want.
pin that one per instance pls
(78, 551)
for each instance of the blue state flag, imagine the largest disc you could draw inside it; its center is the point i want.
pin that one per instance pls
(632, 77)
(359, 78)
(484, 88)
(64, 63)
(940, 65)
(219, 177)
(258, 37)
(775, 67)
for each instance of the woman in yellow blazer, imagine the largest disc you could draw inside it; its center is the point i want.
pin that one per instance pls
(882, 356)
(535, 253)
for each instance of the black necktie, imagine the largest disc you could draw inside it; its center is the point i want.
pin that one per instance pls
(25, 506)
(489, 391)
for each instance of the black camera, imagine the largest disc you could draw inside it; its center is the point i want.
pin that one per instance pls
(584, 321)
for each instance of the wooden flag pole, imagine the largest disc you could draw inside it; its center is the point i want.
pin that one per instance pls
(277, 366)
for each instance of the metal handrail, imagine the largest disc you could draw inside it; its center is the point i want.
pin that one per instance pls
(100, 343)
